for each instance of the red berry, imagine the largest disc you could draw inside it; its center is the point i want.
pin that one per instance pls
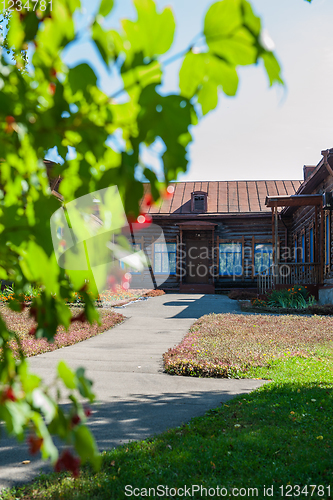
(32, 331)
(10, 120)
(35, 444)
(52, 88)
(87, 412)
(8, 394)
(53, 73)
(67, 461)
(148, 200)
(75, 420)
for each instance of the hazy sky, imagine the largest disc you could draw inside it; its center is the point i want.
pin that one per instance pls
(261, 133)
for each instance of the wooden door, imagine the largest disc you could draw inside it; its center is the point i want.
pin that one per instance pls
(197, 261)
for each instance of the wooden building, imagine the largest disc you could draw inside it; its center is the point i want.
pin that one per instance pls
(218, 234)
(308, 234)
(240, 234)
(248, 234)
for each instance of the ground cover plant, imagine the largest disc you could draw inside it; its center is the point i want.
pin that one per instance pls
(23, 324)
(228, 345)
(277, 437)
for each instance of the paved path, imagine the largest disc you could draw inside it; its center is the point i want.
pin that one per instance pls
(135, 398)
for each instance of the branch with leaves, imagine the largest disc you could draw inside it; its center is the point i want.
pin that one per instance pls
(45, 104)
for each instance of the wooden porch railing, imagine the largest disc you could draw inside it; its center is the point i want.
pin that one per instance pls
(305, 273)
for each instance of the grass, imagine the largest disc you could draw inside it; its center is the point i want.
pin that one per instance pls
(21, 323)
(278, 435)
(228, 345)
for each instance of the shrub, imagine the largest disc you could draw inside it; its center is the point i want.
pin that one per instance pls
(154, 293)
(296, 297)
(258, 302)
(325, 310)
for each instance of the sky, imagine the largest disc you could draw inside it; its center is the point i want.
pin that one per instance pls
(262, 132)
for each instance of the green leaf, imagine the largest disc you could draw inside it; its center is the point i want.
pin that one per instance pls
(48, 448)
(208, 97)
(151, 176)
(222, 19)
(143, 75)
(104, 41)
(191, 74)
(37, 267)
(152, 33)
(29, 380)
(226, 32)
(80, 77)
(15, 33)
(67, 375)
(44, 403)
(239, 49)
(223, 74)
(86, 447)
(105, 7)
(84, 385)
(272, 68)
(250, 20)
(209, 74)
(18, 414)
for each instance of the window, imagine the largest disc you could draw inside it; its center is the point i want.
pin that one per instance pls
(165, 258)
(198, 201)
(295, 248)
(231, 259)
(263, 258)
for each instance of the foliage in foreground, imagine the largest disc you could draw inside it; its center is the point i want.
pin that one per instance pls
(111, 296)
(228, 345)
(46, 105)
(278, 435)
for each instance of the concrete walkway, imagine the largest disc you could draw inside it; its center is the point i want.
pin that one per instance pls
(135, 398)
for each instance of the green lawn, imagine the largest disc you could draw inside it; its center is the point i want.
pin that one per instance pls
(277, 436)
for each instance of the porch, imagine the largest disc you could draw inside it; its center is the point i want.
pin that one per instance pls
(285, 274)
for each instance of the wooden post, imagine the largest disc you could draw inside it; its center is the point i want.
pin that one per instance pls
(316, 237)
(142, 249)
(243, 254)
(322, 249)
(177, 258)
(213, 256)
(253, 262)
(273, 233)
(181, 256)
(275, 242)
(218, 256)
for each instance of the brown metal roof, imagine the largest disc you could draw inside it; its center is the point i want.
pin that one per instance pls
(225, 197)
